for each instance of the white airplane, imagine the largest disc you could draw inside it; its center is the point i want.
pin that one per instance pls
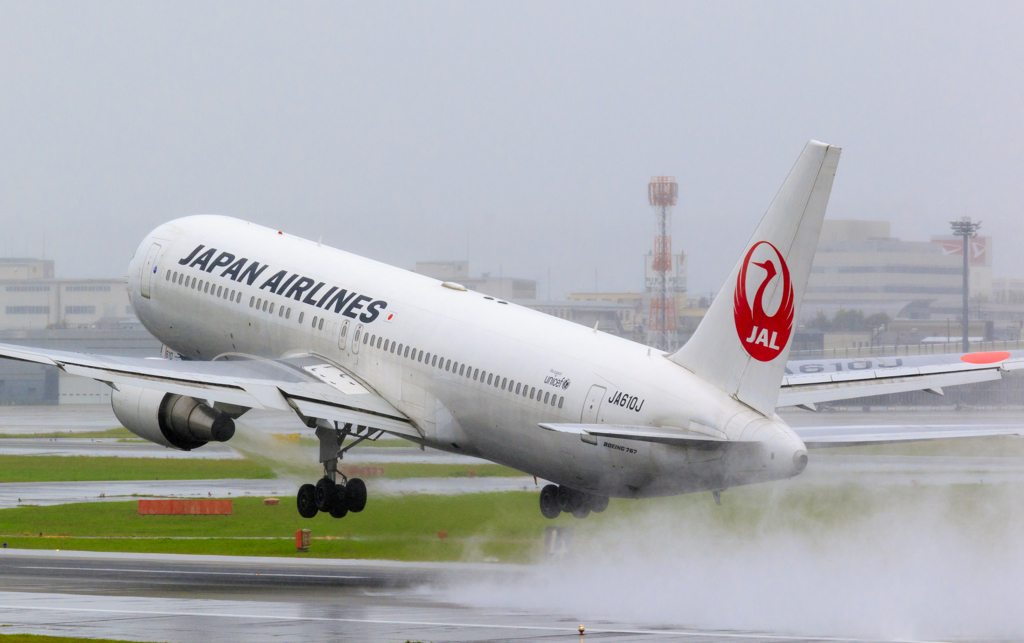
(358, 349)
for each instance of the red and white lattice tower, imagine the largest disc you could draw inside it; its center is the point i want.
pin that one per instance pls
(662, 192)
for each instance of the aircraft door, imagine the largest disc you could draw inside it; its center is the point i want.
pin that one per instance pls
(148, 269)
(592, 407)
(343, 335)
(356, 336)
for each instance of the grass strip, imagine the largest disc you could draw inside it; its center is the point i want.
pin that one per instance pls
(38, 638)
(53, 468)
(504, 526)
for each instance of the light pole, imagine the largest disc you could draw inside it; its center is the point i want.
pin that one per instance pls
(964, 228)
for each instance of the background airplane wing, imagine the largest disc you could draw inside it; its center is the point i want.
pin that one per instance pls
(304, 384)
(809, 382)
(821, 437)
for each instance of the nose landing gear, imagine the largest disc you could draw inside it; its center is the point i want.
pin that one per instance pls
(555, 499)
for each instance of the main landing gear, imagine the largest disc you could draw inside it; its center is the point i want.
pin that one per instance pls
(329, 495)
(555, 499)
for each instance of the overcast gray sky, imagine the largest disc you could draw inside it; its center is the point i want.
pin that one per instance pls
(521, 133)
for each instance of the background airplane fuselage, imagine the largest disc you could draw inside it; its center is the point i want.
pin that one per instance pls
(584, 375)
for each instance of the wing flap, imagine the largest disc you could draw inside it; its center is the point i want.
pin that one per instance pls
(397, 424)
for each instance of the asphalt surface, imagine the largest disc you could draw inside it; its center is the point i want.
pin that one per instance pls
(215, 599)
(110, 447)
(69, 418)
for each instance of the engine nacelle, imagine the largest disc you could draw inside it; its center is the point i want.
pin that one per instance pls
(172, 420)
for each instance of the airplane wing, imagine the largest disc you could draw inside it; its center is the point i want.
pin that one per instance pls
(823, 437)
(304, 384)
(809, 382)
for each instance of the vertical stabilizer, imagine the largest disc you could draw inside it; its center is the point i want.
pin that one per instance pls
(742, 344)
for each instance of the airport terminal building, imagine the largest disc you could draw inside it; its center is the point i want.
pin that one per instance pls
(860, 266)
(82, 315)
(34, 299)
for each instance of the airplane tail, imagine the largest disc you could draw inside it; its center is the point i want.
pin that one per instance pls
(743, 342)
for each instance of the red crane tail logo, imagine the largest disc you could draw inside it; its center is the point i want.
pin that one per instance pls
(763, 336)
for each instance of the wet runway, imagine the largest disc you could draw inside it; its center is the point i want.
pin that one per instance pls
(219, 599)
(881, 470)
(14, 494)
(69, 418)
(110, 447)
(113, 447)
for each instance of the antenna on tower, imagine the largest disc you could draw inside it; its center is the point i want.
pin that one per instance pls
(662, 193)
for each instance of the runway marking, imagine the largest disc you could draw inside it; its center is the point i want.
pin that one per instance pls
(548, 628)
(167, 571)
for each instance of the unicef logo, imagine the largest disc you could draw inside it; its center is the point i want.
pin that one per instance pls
(557, 382)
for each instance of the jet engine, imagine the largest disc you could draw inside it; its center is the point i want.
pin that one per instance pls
(175, 421)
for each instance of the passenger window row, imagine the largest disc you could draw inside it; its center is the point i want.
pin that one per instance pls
(204, 286)
(463, 370)
(257, 303)
(267, 306)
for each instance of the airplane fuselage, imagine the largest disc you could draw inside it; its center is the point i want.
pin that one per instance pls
(475, 374)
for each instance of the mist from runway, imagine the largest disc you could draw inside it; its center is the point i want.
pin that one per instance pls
(290, 461)
(929, 564)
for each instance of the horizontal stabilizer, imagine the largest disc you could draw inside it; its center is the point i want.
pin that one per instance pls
(659, 434)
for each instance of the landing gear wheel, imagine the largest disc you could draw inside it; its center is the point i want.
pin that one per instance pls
(355, 495)
(306, 501)
(549, 506)
(598, 503)
(340, 507)
(569, 500)
(581, 513)
(325, 494)
(562, 497)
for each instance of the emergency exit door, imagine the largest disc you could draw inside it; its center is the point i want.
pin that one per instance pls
(592, 407)
(591, 411)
